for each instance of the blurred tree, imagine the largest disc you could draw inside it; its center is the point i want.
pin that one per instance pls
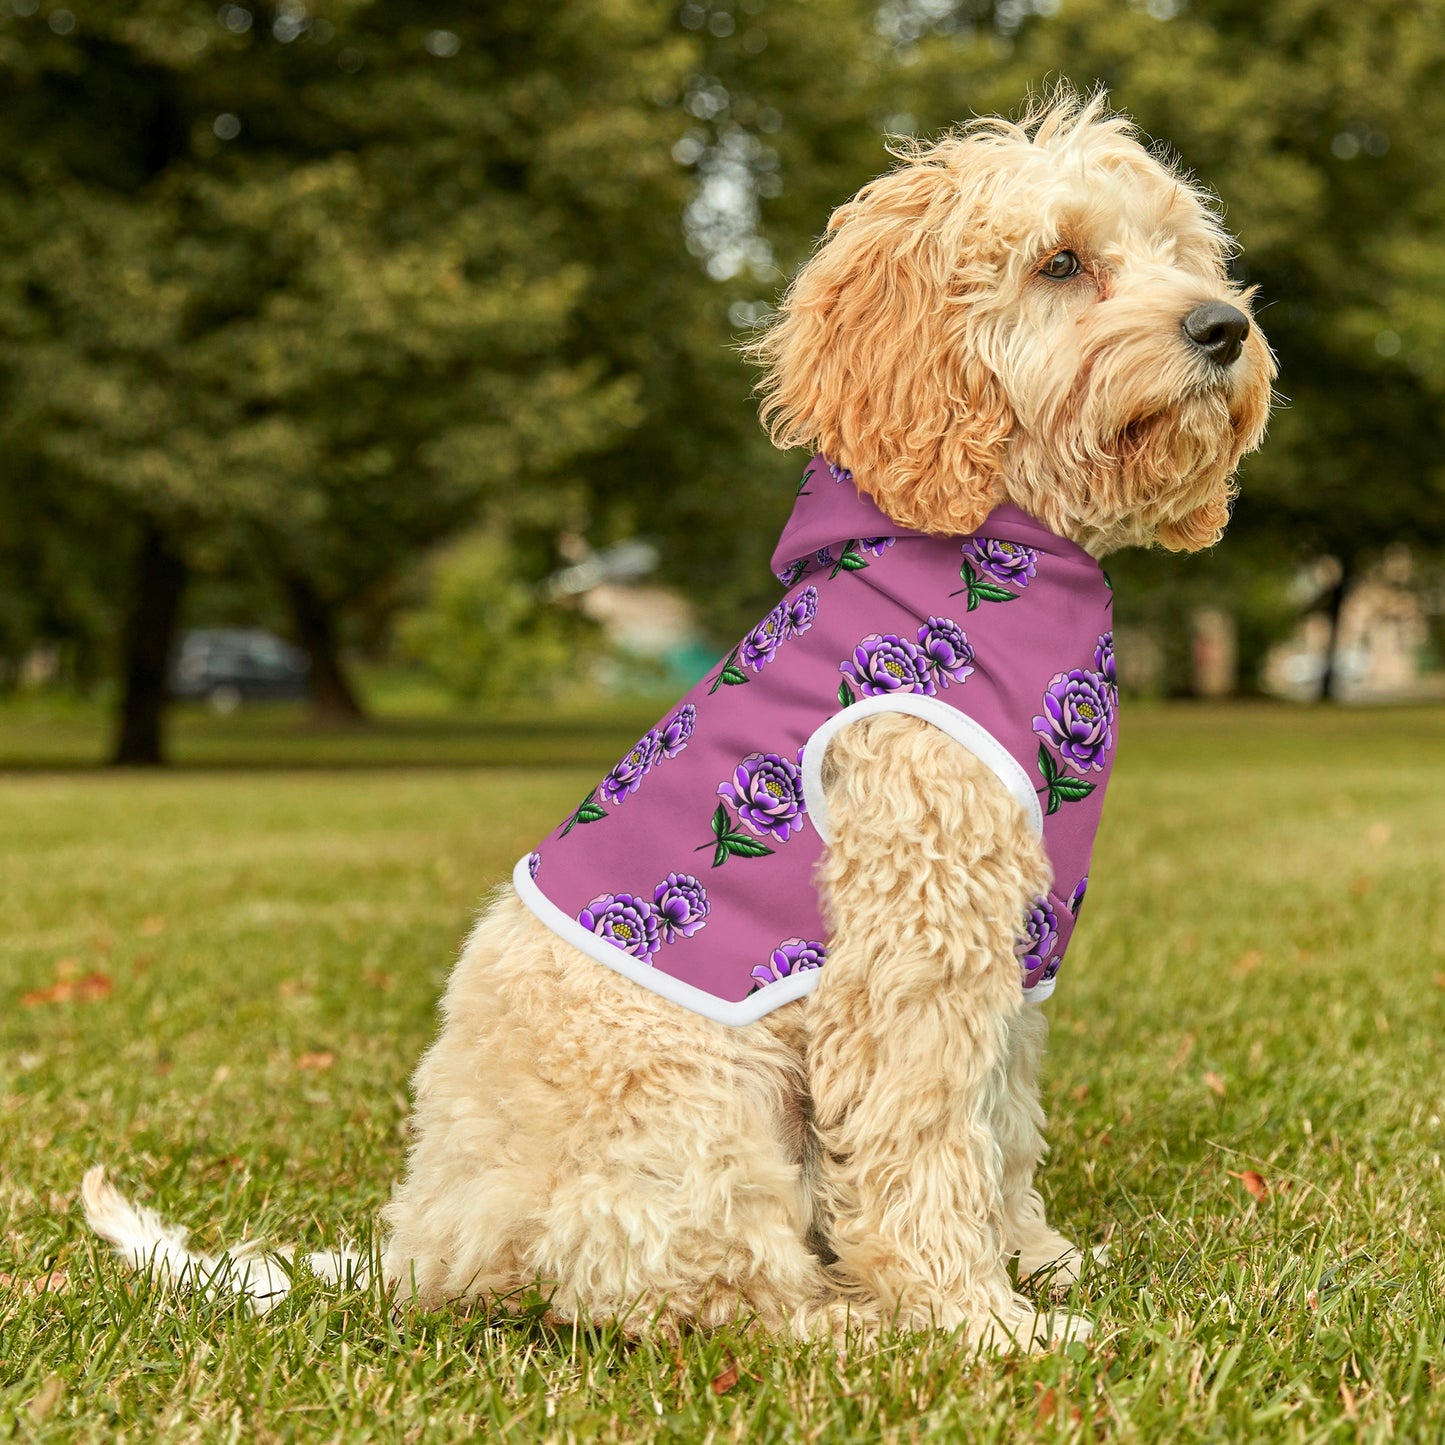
(485, 633)
(298, 284)
(779, 117)
(315, 286)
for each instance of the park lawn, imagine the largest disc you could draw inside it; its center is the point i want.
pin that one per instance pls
(217, 981)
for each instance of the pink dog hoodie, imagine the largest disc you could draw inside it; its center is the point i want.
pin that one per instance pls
(690, 867)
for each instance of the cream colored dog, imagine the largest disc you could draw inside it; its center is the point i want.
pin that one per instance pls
(1012, 314)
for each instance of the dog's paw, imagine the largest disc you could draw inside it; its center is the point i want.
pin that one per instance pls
(1058, 1266)
(1023, 1326)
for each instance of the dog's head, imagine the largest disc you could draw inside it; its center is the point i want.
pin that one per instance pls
(1035, 312)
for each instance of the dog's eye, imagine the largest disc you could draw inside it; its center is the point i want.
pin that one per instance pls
(1060, 266)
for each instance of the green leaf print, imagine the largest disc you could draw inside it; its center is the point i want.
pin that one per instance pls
(1058, 787)
(729, 843)
(730, 674)
(980, 591)
(589, 810)
(850, 561)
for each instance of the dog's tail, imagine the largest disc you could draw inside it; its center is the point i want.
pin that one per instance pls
(147, 1243)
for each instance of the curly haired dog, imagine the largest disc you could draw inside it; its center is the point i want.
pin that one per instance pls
(1034, 314)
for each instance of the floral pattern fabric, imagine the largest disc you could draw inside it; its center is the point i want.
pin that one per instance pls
(767, 792)
(679, 907)
(1078, 718)
(792, 955)
(1006, 562)
(690, 865)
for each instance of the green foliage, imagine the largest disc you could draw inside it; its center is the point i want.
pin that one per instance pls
(487, 635)
(316, 287)
(316, 294)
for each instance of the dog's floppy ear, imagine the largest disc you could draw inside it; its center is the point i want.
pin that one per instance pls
(871, 358)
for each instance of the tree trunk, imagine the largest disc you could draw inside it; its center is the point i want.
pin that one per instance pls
(333, 699)
(1335, 606)
(150, 630)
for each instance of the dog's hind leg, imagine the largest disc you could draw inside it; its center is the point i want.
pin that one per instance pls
(578, 1135)
(1019, 1127)
(927, 877)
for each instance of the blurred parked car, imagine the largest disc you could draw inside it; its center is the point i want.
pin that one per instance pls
(230, 665)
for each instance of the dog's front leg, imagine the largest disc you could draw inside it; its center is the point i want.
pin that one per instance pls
(1043, 1253)
(927, 877)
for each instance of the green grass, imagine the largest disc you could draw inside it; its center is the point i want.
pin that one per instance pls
(1257, 985)
(410, 727)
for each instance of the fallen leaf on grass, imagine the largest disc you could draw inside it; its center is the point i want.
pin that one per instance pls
(1360, 886)
(1254, 1182)
(320, 1059)
(151, 927)
(45, 1399)
(377, 979)
(1044, 1411)
(56, 1282)
(724, 1382)
(80, 990)
(1080, 1094)
(1248, 963)
(1214, 1083)
(1181, 1054)
(1440, 980)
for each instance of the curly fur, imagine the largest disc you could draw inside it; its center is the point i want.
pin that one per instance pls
(866, 1155)
(921, 343)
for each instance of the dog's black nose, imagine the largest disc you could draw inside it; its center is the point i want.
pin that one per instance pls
(1218, 331)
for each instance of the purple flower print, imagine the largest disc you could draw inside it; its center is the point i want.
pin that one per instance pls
(839, 474)
(792, 571)
(623, 921)
(682, 906)
(674, 733)
(534, 862)
(792, 955)
(801, 611)
(1004, 561)
(761, 645)
(1104, 658)
(874, 546)
(945, 644)
(823, 556)
(1076, 901)
(630, 770)
(1078, 718)
(1040, 936)
(762, 642)
(767, 791)
(886, 664)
